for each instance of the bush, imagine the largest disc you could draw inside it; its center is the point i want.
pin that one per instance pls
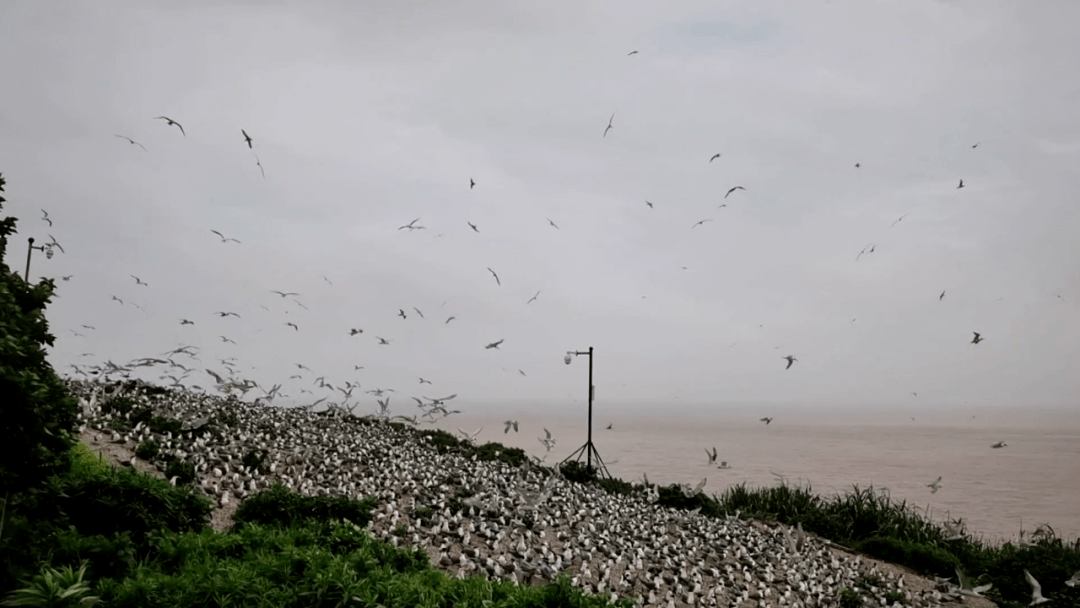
(37, 428)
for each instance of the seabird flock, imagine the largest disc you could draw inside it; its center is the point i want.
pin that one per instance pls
(230, 382)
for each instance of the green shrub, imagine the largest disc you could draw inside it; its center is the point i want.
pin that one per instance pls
(85, 462)
(37, 430)
(148, 450)
(280, 506)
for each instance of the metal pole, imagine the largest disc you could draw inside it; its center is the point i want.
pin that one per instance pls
(590, 409)
(29, 252)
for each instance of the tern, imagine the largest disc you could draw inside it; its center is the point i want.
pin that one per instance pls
(132, 141)
(411, 225)
(1000, 444)
(697, 490)
(631, 53)
(354, 331)
(699, 223)
(450, 319)
(383, 341)
(259, 162)
(401, 313)
(422, 381)
(67, 278)
(934, 487)
(865, 250)
(283, 293)
(224, 339)
(649, 204)
(76, 333)
(247, 138)
(521, 372)
(171, 123)
(45, 218)
(766, 421)
(418, 312)
(471, 436)
(357, 368)
(733, 189)
(495, 344)
(223, 239)
(1036, 589)
(227, 314)
(609, 124)
(954, 530)
(1075, 580)
(52, 243)
(533, 298)
(510, 423)
(609, 426)
(138, 281)
(473, 226)
(724, 465)
(712, 456)
(961, 185)
(118, 300)
(939, 298)
(497, 281)
(978, 338)
(714, 157)
(549, 442)
(90, 327)
(966, 585)
(790, 360)
(552, 223)
(898, 220)
(857, 165)
(293, 325)
(326, 279)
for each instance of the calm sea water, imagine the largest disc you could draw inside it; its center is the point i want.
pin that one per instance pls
(1035, 479)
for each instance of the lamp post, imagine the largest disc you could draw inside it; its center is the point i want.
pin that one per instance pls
(589, 450)
(29, 251)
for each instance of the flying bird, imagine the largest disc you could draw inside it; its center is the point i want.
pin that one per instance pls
(766, 421)
(411, 225)
(259, 162)
(978, 338)
(1036, 589)
(422, 381)
(712, 456)
(353, 332)
(224, 339)
(941, 296)
(171, 123)
(1075, 580)
(521, 372)
(118, 300)
(227, 314)
(510, 423)
(383, 341)
(472, 184)
(790, 360)
(497, 281)
(552, 223)
(649, 204)
(934, 487)
(631, 53)
(401, 313)
(495, 344)
(609, 125)
(293, 325)
(247, 138)
(961, 185)
(76, 333)
(999, 445)
(865, 251)
(133, 142)
(284, 293)
(609, 426)
(223, 239)
(67, 278)
(857, 165)
(52, 243)
(699, 223)
(898, 220)
(450, 319)
(734, 189)
(967, 588)
(138, 281)
(534, 297)
(976, 145)
(473, 226)
(418, 312)
(326, 279)
(714, 157)
(186, 322)
(90, 327)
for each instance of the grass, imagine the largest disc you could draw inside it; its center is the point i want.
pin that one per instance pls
(131, 539)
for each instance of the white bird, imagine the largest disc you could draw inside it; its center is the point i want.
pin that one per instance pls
(553, 224)
(733, 190)
(471, 437)
(534, 297)
(934, 487)
(133, 142)
(1075, 580)
(223, 239)
(412, 225)
(46, 218)
(724, 465)
(383, 341)
(171, 123)
(548, 442)
(495, 275)
(609, 124)
(510, 423)
(697, 490)
(954, 530)
(966, 585)
(712, 456)
(1036, 589)
(139, 281)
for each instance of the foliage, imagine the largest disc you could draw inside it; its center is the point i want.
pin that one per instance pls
(282, 507)
(37, 428)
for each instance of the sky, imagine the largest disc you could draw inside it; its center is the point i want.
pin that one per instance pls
(849, 124)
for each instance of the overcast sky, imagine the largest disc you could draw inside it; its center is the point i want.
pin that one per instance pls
(366, 116)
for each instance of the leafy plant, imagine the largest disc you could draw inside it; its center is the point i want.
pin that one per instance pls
(54, 588)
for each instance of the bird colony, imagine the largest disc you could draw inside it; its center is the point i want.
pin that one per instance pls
(525, 524)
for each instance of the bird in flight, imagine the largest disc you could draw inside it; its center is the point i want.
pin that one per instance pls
(631, 53)
(714, 157)
(186, 322)
(976, 145)
(171, 123)
(495, 344)
(418, 312)
(357, 368)
(934, 487)
(865, 250)
(401, 313)
(67, 278)
(609, 124)
(961, 185)
(223, 239)
(522, 373)
(46, 217)
(258, 162)
(383, 341)
(90, 327)
(609, 427)
(283, 293)
(978, 338)
(551, 222)
(353, 332)
(857, 165)
(247, 138)
(711, 455)
(326, 279)
(227, 314)
(473, 226)
(224, 339)
(133, 142)
(766, 421)
(52, 243)
(898, 220)
(533, 298)
(422, 381)
(497, 281)
(700, 223)
(76, 333)
(649, 204)
(472, 184)
(1036, 589)
(118, 300)
(450, 319)
(941, 296)
(293, 325)
(412, 225)
(790, 361)
(1000, 444)
(734, 189)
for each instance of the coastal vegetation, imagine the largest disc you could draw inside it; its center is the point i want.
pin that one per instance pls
(75, 531)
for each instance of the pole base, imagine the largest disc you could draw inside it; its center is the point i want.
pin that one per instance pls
(585, 452)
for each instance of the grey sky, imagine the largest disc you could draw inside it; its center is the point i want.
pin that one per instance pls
(365, 119)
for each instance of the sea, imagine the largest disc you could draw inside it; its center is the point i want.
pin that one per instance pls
(1034, 479)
